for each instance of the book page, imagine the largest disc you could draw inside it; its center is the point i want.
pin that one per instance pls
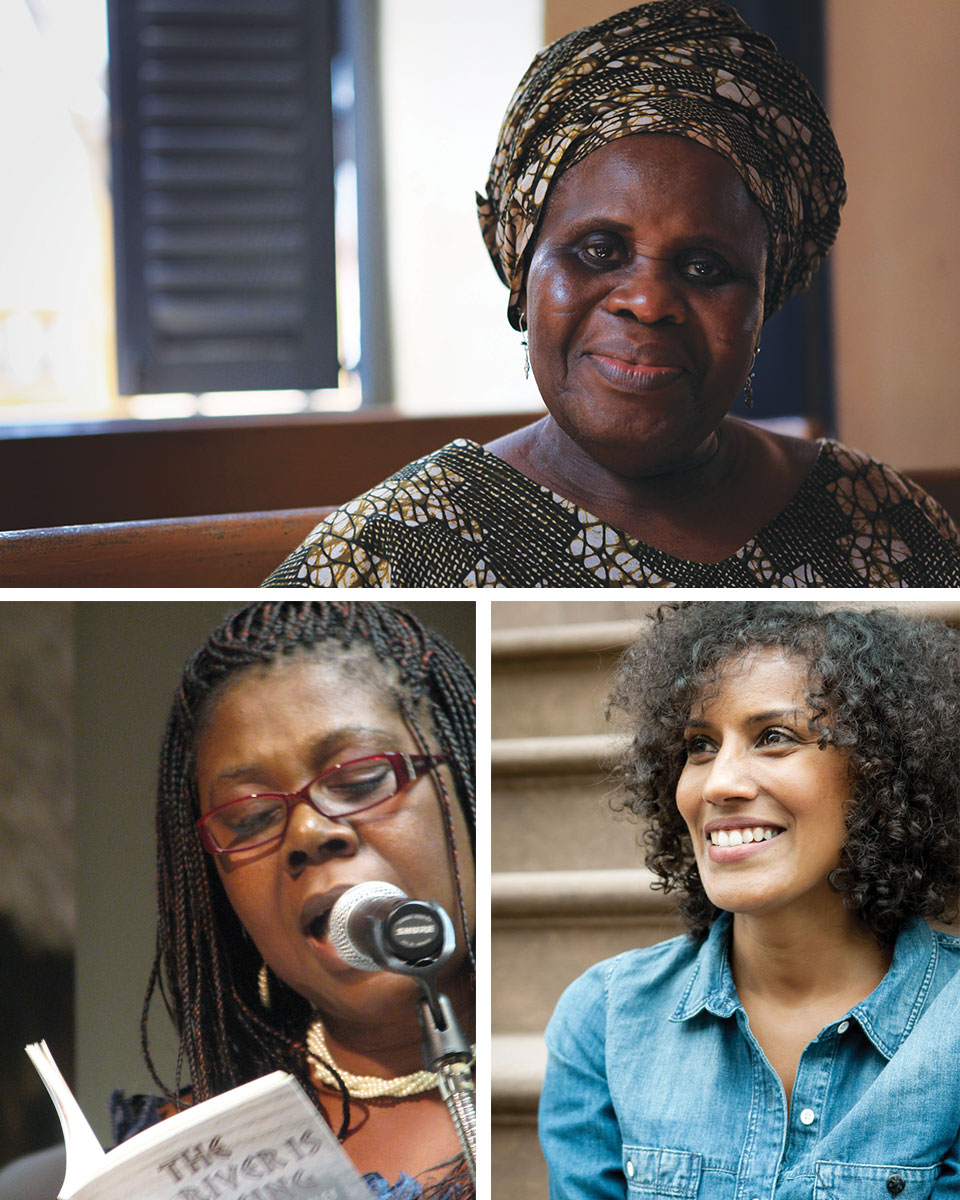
(85, 1155)
(261, 1141)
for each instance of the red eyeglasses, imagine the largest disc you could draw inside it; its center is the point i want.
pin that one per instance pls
(341, 791)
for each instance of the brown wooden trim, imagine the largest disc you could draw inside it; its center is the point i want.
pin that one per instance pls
(943, 484)
(133, 472)
(229, 550)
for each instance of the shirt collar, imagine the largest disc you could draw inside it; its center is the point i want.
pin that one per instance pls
(886, 1016)
(710, 984)
(892, 1009)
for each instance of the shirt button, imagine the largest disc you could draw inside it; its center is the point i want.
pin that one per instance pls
(896, 1184)
(843, 1027)
(808, 1116)
(631, 1169)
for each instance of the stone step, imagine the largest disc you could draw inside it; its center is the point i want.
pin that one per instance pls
(518, 1171)
(554, 806)
(517, 1066)
(517, 1063)
(569, 888)
(554, 679)
(550, 926)
(539, 612)
(528, 755)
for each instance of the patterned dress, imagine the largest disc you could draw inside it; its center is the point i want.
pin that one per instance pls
(462, 517)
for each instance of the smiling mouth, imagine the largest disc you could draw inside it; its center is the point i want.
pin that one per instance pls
(634, 377)
(740, 837)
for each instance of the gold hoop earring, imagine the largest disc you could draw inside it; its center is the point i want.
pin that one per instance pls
(263, 985)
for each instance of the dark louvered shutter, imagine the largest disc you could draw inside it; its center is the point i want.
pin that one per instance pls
(223, 194)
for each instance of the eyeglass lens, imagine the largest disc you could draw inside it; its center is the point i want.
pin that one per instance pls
(351, 788)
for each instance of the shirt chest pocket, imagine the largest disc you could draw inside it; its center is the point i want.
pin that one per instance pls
(847, 1181)
(669, 1173)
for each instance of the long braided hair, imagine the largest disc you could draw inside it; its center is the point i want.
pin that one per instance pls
(205, 964)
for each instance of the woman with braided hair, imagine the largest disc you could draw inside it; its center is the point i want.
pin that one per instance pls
(797, 768)
(664, 180)
(313, 747)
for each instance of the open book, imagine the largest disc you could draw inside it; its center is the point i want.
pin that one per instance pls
(261, 1141)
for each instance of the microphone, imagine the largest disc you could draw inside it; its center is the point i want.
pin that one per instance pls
(376, 927)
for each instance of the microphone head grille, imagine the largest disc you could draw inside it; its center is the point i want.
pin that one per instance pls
(342, 911)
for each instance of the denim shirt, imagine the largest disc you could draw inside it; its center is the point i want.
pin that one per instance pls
(655, 1085)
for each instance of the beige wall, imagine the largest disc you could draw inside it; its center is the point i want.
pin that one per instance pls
(37, 911)
(894, 103)
(448, 70)
(893, 96)
(563, 16)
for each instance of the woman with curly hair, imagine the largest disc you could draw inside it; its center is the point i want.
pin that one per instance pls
(798, 770)
(313, 747)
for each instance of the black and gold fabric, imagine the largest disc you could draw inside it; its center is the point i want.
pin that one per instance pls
(692, 68)
(462, 517)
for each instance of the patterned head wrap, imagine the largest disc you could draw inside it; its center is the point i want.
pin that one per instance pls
(687, 67)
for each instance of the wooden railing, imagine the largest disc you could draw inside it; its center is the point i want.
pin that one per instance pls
(943, 484)
(226, 550)
(229, 550)
(158, 469)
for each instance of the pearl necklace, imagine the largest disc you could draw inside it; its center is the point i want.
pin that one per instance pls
(363, 1087)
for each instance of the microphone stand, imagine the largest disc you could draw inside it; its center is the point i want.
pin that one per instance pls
(404, 948)
(447, 1052)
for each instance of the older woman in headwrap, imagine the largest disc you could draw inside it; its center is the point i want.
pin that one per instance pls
(664, 181)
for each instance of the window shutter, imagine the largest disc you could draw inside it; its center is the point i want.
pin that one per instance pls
(222, 162)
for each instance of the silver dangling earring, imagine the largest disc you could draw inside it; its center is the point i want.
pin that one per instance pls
(748, 386)
(263, 985)
(524, 341)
